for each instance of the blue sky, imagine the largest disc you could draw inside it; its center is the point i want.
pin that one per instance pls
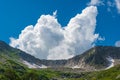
(16, 15)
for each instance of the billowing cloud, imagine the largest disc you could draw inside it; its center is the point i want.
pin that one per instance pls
(117, 2)
(117, 44)
(96, 2)
(49, 40)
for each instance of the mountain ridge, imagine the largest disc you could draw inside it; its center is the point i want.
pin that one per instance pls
(96, 58)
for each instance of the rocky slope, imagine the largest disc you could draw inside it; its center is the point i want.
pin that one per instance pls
(100, 57)
(9, 53)
(97, 58)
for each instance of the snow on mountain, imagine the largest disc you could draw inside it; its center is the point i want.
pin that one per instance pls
(32, 65)
(111, 62)
(74, 67)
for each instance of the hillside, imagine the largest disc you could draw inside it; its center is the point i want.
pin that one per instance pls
(10, 53)
(100, 57)
(18, 72)
(98, 63)
(97, 58)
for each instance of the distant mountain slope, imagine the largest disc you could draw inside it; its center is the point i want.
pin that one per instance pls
(27, 59)
(15, 64)
(97, 58)
(10, 53)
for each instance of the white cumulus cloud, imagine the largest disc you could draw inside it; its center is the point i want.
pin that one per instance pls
(117, 44)
(117, 2)
(49, 40)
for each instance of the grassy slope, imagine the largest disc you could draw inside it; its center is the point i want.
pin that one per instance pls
(110, 74)
(15, 71)
(11, 69)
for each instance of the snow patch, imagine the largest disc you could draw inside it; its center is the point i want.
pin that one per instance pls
(111, 62)
(75, 67)
(32, 65)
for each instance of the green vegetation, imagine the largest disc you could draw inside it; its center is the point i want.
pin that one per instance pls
(15, 71)
(11, 67)
(110, 74)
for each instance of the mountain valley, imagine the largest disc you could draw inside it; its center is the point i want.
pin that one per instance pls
(98, 63)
